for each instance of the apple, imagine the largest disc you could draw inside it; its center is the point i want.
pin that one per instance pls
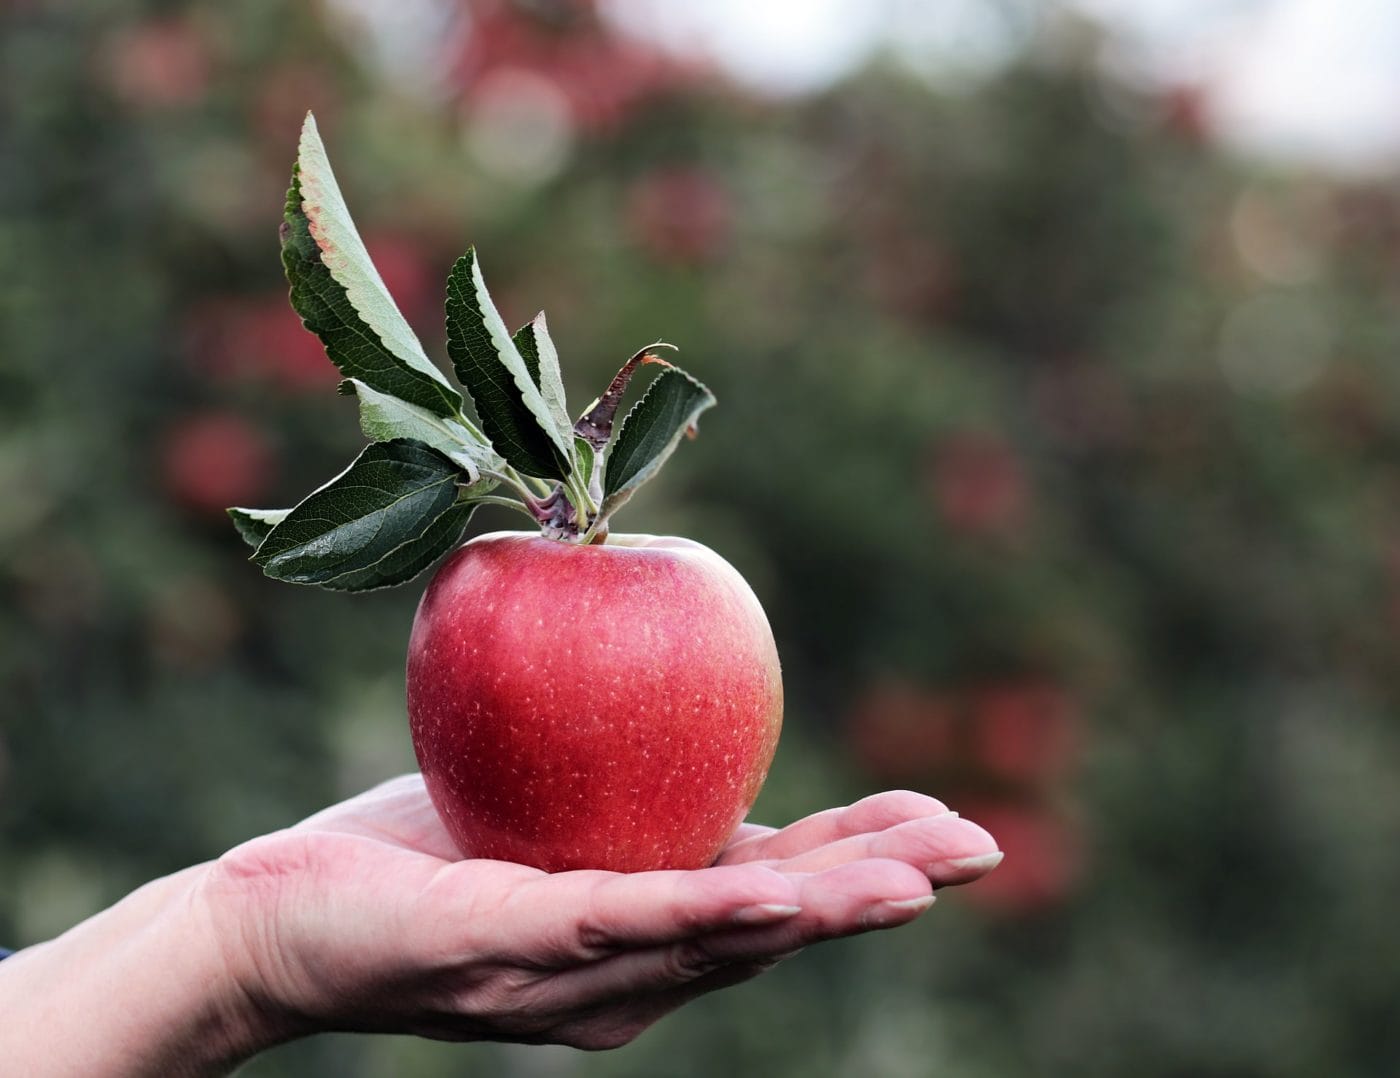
(611, 705)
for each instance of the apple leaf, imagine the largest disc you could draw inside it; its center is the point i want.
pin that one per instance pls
(384, 418)
(254, 524)
(650, 432)
(542, 361)
(383, 520)
(443, 534)
(584, 457)
(514, 414)
(340, 295)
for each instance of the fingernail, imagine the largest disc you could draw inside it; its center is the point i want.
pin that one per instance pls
(982, 862)
(887, 913)
(765, 913)
(917, 905)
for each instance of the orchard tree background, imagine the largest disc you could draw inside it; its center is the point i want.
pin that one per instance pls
(1062, 446)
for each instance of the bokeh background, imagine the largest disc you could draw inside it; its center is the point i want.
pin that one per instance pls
(1059, 433)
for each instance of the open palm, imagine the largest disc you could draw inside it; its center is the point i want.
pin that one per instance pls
(365, 917)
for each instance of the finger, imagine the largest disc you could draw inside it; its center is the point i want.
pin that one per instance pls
(570, 918)
(842, 901)
(874, 813)
(947, 849)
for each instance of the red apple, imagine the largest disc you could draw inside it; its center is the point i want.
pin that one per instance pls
(611, 706)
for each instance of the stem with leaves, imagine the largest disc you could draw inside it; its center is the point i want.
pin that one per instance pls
(406, 499)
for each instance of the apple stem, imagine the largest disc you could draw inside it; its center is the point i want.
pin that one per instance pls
(509, 503)
(556, 515)
(584, 507)
(568, 512)
(511, 478)
(539, 485)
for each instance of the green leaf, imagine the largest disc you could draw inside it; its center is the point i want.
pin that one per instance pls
(340, 295)
(542, 361)
(410, 559)
(650, 432)
(384, 418)
(583, 461)
(254, 524)
(380, 522)
(524, 341)
(514, 416)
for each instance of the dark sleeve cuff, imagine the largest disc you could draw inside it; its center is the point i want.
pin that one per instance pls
(4, 953)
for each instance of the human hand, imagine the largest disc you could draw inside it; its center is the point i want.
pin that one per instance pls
(363, 917)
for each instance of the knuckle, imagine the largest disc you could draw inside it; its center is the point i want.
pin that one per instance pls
(893, 807)
(687, 961)
(595, 932)
(489, 1002)
(593, 939)
(507, 994)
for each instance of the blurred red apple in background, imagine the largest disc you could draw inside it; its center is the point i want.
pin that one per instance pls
(1025, 731)
(1044, 856)
(257, 337)
(979, 484)
(901, 732)
(163, 63)
(215, 459)
(680, 216)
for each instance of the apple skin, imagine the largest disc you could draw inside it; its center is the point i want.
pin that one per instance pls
(610, 706)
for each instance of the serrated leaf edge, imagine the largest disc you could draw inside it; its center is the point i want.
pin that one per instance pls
(329, 583)
(465, 451)
(345, 257)
(616, 499)
(283, 556)
(551, 377)
(264, 563)
(506, 352)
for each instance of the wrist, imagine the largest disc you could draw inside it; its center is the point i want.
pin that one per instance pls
(239, 1013)
(144, 987)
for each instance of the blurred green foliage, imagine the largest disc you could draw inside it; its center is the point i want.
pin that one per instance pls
(1062, 450)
